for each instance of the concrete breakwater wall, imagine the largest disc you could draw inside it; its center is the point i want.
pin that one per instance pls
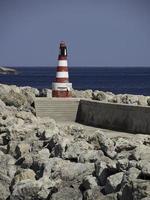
(119, 117)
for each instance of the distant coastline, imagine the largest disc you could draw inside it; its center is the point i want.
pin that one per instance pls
(7, 70)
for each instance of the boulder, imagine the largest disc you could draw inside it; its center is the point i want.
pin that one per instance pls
(141, 152)
(133, 173)
(101, 172)
(107, 145)
(95, 194)
(67, 193)
(136, 189)
(28, 190)
(4, 191)
(82, 94)
(23, 174)
(142, 100)
(144, 166)
(113, 183)
(90, 156)
(66, 170)
(122, 164)
(30, 90)
(124, 144)
(100, 96)
(7, 165)
(89, 182)
(130, 99)
(74, 149)
(14, 99)
(22, 149)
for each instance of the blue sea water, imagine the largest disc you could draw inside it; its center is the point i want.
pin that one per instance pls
(133, 80)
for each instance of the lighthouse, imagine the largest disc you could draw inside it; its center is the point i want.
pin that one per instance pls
(61, 87)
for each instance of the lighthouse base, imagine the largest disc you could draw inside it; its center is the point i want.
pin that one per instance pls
(61, 89)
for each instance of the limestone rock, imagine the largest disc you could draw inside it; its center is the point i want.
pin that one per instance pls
(82, 94)
(23, 174)
(102, 172)
(142, 100)
(67, 193)
(27, 190)
(133, 173)
(66, 170)
(142, 152)
(130, 99)
(30, 90)
(90, 156)
(75, 149)
(113, 183)
(144, 165)
(123, 164)
(107, 145)
(100, 96)
(4, 191)
(14, 99)
(89, 182)
(22, 149)
(95, 194)
(124, 144)
(136, 189)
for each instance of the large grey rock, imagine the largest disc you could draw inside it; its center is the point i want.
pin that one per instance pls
(75, 149)
(136, 189)
(4, 191)
(22, 149)
(95, 194)
(7, 165)
(29, 190)
(124, 144)
(142, 152)
(89, 182)
(123, 164)
(30, 90)
(14, 99)
(144, 166)
(142, 100)
(106, 145)
(23, 174)
(113, 183)
(130, 99)
(82, 94)
(133, 173)
(66, 170)
(58, 145)
(2, 107)
(102, 172)
(90, 156)
(67, 193)
(99, 95)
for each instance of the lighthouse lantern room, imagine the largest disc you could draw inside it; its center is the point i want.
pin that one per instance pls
(61, 87)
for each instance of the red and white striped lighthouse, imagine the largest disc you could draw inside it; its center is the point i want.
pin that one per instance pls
(61, 87)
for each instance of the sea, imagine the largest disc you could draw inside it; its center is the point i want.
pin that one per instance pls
(119, 80)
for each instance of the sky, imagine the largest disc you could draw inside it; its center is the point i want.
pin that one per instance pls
(97, 32)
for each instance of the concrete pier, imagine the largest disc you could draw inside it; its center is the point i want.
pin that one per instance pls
(60, 109)
(118, 117)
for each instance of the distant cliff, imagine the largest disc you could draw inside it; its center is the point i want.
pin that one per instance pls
(6, 70)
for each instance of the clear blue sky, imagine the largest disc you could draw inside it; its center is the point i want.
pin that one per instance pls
(98, 32)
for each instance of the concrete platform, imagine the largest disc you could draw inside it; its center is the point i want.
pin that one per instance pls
(117, 117)
(60, 109)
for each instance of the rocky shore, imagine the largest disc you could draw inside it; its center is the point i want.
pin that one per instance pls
(6, 70)
(41, 159)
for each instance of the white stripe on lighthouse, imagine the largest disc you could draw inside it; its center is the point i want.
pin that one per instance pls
(62, 63)
(62, 75)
